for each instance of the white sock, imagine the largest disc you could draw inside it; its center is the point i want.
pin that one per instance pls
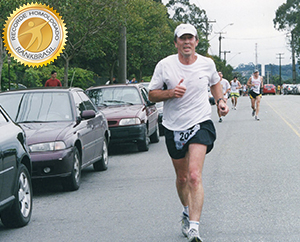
(186, 210)
(194, 225)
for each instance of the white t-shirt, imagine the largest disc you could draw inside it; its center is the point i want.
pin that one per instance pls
(234, 86)
(225, 86)
(257, 83)
(183, 113)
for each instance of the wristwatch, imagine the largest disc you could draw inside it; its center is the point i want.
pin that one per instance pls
(220, 100)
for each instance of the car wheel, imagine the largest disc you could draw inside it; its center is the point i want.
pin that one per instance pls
(154, 138)
(19, 214)
(72, 182)
(143, 145)
(102, 164)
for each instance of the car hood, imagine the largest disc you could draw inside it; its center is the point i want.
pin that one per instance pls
(121, 111)
(44, 132)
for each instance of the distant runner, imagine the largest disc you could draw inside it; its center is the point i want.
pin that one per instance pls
(234, 93)
(226, 88)
(255, 82)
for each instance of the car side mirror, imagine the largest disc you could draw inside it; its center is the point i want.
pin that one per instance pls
(88, 114)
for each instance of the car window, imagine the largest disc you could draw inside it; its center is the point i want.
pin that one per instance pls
(145, 95)
(10, 103)
(87, 102)
(115, 96)
(38, 106)
(82, 103)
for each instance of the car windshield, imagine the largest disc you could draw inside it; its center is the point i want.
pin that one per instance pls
(115, 96)
(37, 106)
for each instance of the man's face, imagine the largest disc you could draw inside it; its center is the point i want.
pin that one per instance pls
(54, 75)
(186, 45)
(256, 74)
(220, 74)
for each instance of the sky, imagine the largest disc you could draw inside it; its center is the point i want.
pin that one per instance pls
(252, 36)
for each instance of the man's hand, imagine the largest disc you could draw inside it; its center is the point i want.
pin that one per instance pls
(179, 90)
(223, 108)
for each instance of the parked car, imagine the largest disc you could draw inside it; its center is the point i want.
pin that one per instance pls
(296, 89)
(15, 174)
(160, 107)
(269, 89)
(132, 118)
(65, 131)
(288, 89)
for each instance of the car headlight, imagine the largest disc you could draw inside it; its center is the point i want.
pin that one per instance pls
(129, 121)
(50, 146)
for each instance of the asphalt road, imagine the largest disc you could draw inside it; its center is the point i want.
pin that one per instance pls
(251, 181)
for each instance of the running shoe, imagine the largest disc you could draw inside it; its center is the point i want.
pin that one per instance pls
(193, 236)
(253, 113)
(220, 120)
(257, 118)
(185, 224)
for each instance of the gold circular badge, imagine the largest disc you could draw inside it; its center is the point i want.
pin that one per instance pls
(35, 34)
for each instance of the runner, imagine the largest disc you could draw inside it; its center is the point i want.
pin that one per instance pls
(189, 131)
(226, 88)
(234, 93)
(255, 82)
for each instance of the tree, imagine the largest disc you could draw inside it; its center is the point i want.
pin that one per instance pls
(149, 36)
(184, 12)
(287, 18)
(6, 6)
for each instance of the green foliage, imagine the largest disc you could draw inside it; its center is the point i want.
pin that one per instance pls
(81, 78)
(184, 12)
(223, 67)
(288, 18)
(91, 50)
(149, 37)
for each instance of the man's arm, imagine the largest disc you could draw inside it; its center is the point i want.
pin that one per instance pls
(249, 83)
(159, 95)
(240, 86)
(216, 91)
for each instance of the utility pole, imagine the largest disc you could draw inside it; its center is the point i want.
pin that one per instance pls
(293, 58)
(255, 55)
(220, 39)
(225, 52)
(280, 57)
(207, 22)
(122, 74)
(268, 77)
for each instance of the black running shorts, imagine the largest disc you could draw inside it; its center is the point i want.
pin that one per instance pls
(206, 135)
(253, 94)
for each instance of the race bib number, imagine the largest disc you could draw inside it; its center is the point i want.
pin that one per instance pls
(182, 137)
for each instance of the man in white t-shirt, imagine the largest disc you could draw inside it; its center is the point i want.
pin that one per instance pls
(189, 131)
(225, 88)
(235, 93)
(255, 82)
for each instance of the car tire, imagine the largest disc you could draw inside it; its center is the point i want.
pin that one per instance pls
(102, 164)
(19, 214)
(154, 138)
(72, 182)
(143, 145)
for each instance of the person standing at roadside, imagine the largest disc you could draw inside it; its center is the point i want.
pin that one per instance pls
(189, 131)
(53, 81)
(234, 93)
(225, 88)
(255, 82)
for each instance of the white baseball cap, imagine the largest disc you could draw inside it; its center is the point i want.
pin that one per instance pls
(185, 29)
